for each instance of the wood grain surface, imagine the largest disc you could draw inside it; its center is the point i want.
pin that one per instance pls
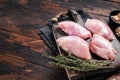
(20, 45)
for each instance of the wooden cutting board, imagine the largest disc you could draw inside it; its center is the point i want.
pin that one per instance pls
(80, 17)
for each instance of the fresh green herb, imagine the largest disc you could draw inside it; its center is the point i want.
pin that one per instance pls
(73, 63)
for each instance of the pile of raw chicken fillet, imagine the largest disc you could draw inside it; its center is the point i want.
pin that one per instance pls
(76, 43)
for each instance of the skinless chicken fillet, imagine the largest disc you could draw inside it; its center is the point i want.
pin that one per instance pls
(74, 29)
(102, 47)
(75, 45)
(98, 27)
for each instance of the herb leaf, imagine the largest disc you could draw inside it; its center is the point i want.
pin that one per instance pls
(73, 63)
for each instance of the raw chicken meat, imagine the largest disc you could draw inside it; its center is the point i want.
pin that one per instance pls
(98, 27)
(102, 47)
(74, 29)
(75, 45)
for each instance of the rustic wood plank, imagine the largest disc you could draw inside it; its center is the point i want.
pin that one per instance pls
(12, 41)
(34, 44)
(14, 69)
(16, 37)
(29, 53)
(25, 29)
(95, 7)
(23, 21)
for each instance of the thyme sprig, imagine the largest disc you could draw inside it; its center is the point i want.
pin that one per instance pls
(73, 63)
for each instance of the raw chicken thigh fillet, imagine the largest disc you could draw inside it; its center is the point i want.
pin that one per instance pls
(74, 29)
(75, 45)
(99, 27)
(102, 47)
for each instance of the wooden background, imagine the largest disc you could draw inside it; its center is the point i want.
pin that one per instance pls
(20, 45)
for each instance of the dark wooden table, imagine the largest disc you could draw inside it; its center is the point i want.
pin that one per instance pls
(20, 45)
